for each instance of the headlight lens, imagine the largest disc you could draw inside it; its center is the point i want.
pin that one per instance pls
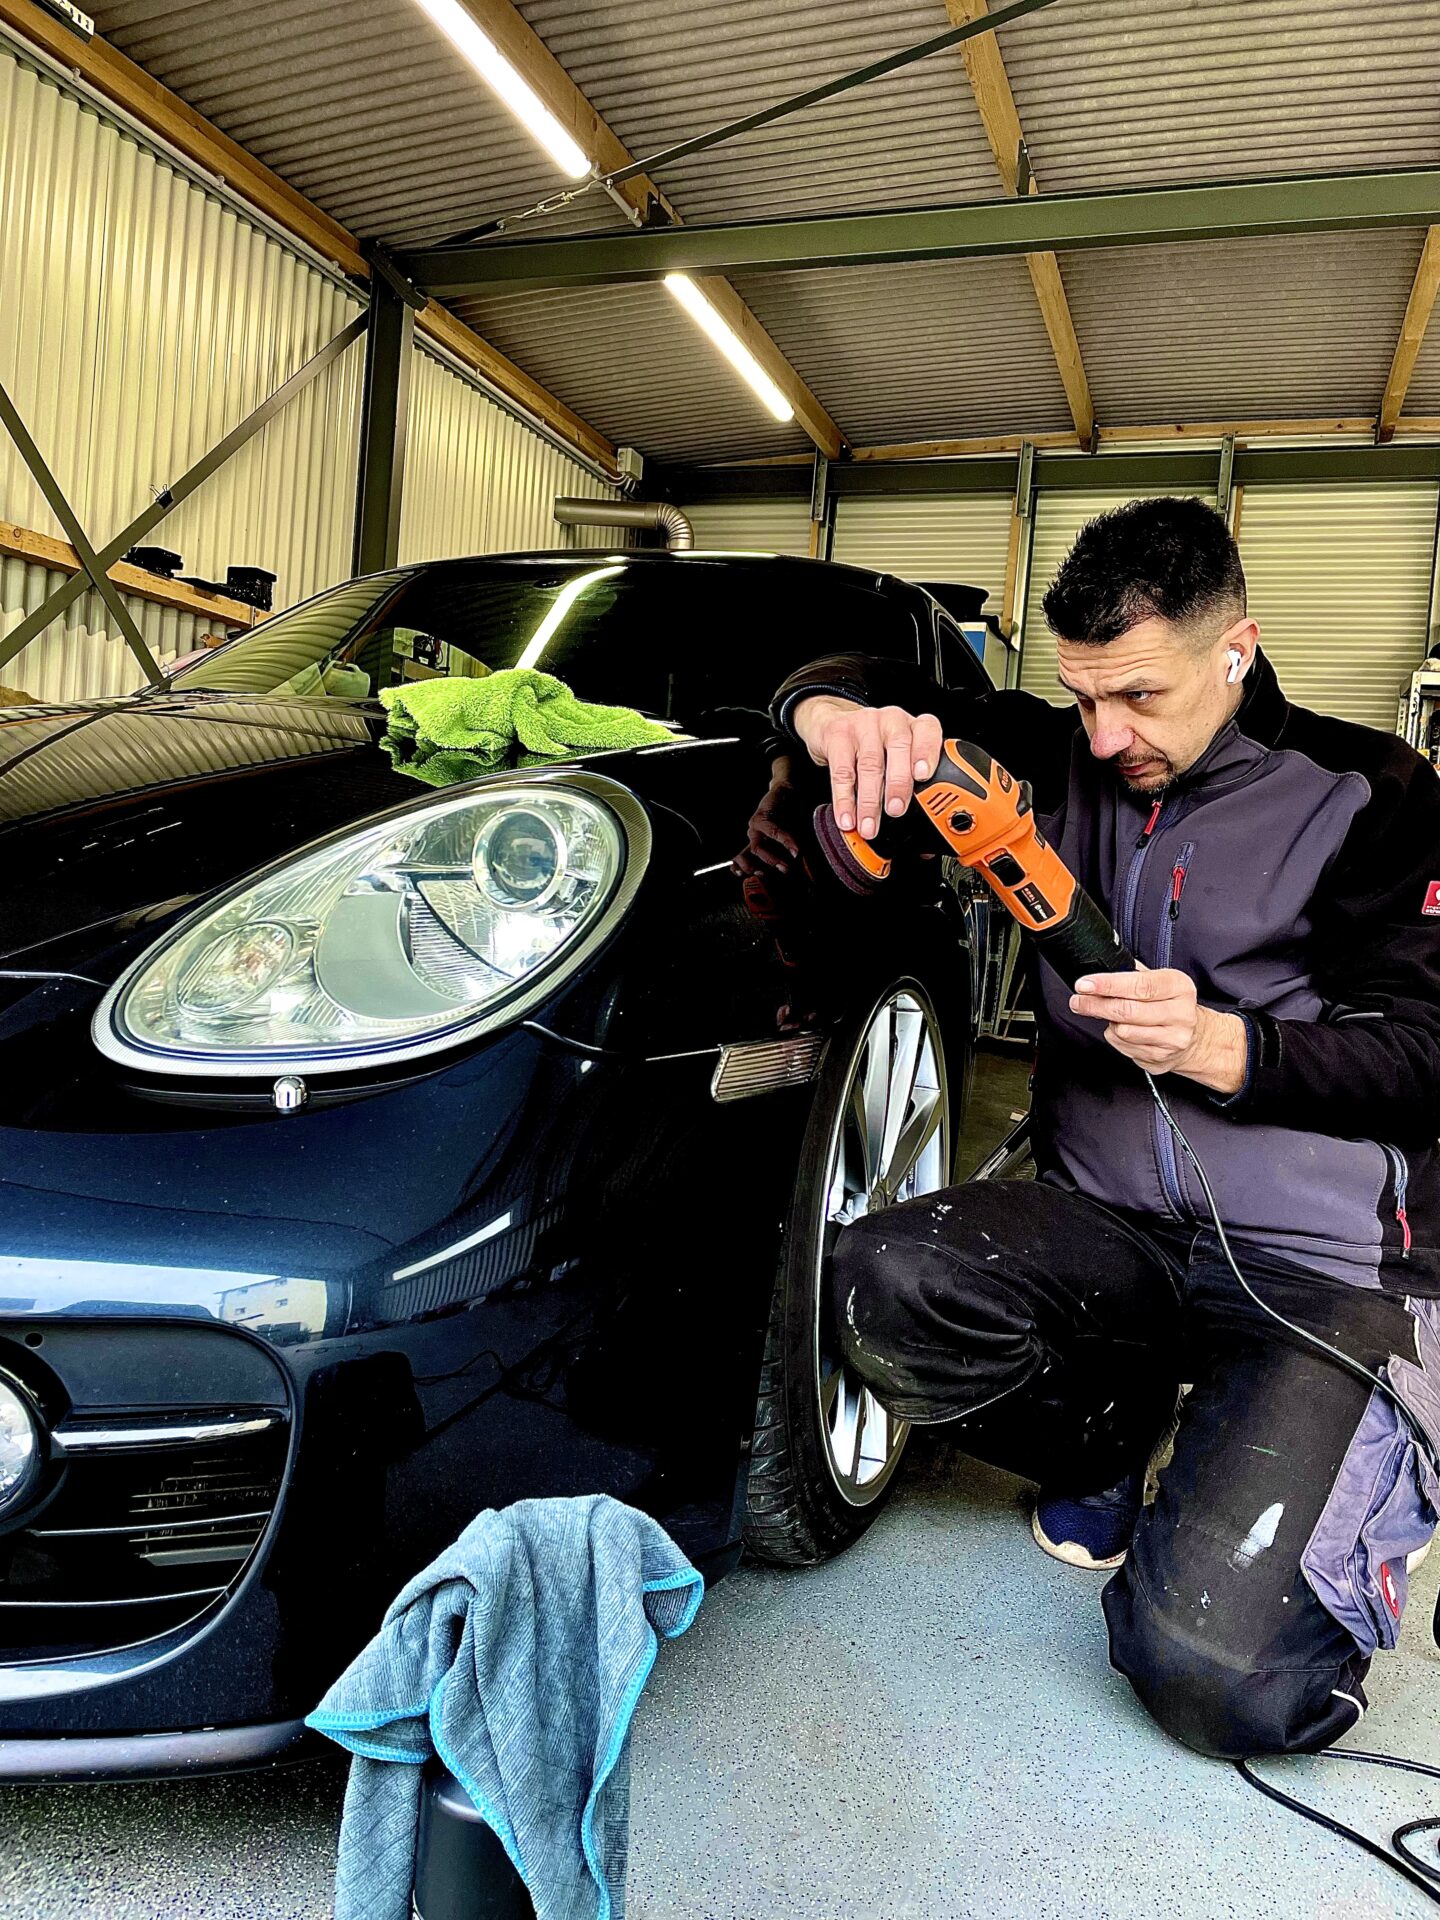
(19, 1448)
(382, 942)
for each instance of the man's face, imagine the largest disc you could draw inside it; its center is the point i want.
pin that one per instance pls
(1154, 699)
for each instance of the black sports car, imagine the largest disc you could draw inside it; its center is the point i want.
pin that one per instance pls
(374, 1152)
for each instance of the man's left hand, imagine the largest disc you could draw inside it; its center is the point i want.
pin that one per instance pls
(1155, 1019)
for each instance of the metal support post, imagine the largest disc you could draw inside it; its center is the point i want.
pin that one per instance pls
(179, 490)
(1024, 549)
(384, 416)
(820, 517)
(76, 535)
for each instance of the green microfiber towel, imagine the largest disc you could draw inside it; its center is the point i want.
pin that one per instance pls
(456, 729)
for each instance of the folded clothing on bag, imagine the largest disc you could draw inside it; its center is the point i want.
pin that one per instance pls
(457, 729)
(518, 1657)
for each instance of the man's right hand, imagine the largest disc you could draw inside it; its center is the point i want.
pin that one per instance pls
(875, 755)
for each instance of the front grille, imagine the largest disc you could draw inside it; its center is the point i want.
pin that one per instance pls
(141, 1535)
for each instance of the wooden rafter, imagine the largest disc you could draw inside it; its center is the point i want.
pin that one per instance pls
(527, 52)
(989, 82)
(1418, 310)
(108, 71)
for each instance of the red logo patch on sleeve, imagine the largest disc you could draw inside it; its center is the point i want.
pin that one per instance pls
(1432, 899)
(1387, 1587)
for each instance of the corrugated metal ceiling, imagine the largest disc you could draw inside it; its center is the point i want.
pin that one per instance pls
(364, 107)
(1120, 95)
(633, 364)
(930, 351)
(1291, 328)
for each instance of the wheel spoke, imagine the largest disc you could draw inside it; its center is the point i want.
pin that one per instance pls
(857, 1457)
(873, 1087)
(843, 1431)
(900, 1088)
(919, 1131)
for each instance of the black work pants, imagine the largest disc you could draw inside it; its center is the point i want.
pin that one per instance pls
(1055, 1334)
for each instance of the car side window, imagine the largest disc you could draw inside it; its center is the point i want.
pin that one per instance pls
(956, 658)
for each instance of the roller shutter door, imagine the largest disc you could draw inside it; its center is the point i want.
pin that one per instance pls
(753, 526)
(1058, 519)
(963, 538)
(1339, 580)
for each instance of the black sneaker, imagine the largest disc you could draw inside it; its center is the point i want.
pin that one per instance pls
(1092, 1531)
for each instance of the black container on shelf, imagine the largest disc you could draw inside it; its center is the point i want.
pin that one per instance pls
(253, 585)
(155, 560)
(462, 1872)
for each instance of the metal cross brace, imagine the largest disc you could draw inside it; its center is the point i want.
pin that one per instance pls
(75, 533)
(70, 591)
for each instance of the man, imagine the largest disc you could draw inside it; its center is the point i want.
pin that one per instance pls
(1277, 873)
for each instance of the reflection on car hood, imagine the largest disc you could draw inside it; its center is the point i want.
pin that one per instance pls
(118, 809)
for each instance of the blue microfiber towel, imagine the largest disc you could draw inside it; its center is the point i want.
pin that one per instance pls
(518, 1657)
(456, 729)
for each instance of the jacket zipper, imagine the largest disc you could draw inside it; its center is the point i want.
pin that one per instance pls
(1131, 889)
(1167, 1157)
(1167, 925)
(1400, 1171)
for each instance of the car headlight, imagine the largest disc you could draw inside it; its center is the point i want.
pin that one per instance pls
(387, 942)
(19, 1448)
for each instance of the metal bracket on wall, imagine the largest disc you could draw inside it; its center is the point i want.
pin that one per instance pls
(1022, 168)
(75, 534)
(179, 490)
(1224, 485)
(1025, 480)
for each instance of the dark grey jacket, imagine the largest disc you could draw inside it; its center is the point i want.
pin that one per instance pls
(1294, 873)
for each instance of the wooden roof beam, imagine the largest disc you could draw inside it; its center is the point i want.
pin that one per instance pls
(107, 70)
(1418, 309)
(990, 84)
(527, 52)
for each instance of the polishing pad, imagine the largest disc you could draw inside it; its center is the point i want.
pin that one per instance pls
(842, 862)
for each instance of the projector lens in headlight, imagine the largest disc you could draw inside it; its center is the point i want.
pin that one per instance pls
(19, 1448)
(387, 941)
(520, 859)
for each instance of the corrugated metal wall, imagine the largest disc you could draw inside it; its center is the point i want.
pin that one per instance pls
(1339, 580)
(478, 480)
(753, 526)
(963, 539)
(1058, 518)
(142, 318)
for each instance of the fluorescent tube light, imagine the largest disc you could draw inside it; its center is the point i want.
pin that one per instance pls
(730, 344)
(470, 39)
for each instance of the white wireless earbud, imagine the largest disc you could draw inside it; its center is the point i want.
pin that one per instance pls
(1236, 658)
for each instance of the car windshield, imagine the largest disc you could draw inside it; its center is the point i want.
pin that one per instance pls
(682, 639)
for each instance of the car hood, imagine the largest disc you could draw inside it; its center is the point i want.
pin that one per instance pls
(115, 814)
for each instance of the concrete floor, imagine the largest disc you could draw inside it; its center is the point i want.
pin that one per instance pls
(925, 1729)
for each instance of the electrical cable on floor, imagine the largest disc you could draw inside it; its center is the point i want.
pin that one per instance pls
(750, 122)
(1403, 1860)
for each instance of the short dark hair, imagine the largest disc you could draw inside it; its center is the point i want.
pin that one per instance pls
(1171, 558)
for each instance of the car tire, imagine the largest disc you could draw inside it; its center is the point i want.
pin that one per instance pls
(820, 1467)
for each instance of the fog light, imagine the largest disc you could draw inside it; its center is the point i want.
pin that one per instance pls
(19, 1448)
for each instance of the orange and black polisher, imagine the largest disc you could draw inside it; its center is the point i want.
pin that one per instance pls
(983, 815)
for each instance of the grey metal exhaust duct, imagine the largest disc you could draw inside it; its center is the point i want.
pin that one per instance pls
(652, 514)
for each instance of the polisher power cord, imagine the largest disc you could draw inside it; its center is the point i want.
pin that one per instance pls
(1404, 1860)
